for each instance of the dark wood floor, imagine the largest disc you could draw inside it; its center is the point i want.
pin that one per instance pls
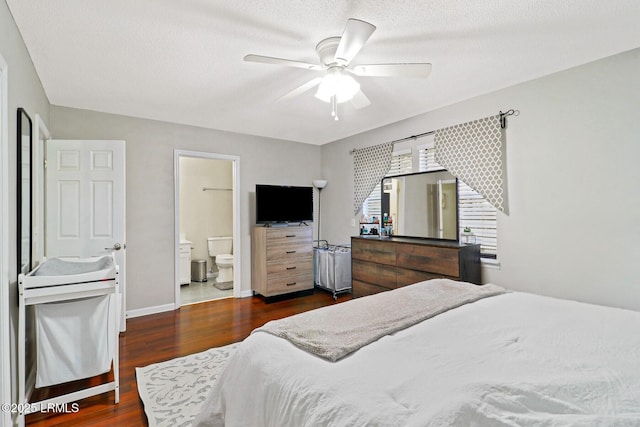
(165, 336)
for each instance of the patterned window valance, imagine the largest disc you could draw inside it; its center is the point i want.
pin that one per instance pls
(370, 165)
(474, 153)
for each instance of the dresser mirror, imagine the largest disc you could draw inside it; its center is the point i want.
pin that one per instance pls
(24, 193)
(422, 204)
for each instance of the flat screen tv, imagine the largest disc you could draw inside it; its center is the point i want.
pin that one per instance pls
(283, 204)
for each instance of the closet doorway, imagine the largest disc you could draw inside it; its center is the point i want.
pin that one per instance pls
(207, 244)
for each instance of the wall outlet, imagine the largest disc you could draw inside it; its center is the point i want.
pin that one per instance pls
(353, 222)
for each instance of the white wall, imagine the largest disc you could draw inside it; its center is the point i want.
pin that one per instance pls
(572, 161)
(150, 204)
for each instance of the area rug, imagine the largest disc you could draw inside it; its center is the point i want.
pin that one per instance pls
(174, 391)
(224, 286)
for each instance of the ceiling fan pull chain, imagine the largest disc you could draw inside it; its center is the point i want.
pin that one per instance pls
(334, 107)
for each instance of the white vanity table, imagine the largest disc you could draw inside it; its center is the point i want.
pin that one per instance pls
(185, 261)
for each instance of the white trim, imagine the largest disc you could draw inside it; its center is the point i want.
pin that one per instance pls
(246, 294)
(5, 320)
(139, 312)
(40, 129)
(236, 217)
(490, 263)
(401, 152)
(431, 144)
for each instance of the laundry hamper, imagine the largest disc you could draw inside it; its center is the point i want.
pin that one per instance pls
(77, 307)
(332, 268)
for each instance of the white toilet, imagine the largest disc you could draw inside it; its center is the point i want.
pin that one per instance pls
(220, 248)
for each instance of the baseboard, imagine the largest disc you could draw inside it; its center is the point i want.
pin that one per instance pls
(169, 307)
(150, 310)
(246, 294)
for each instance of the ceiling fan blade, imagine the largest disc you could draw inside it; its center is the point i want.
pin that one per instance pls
(355, 35)
(280, 61)
(420, 70)
(301, 89)
(360, 100)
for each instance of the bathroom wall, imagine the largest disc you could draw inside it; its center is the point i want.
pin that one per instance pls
(205, 213)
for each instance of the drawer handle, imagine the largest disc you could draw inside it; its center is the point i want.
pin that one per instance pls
(291, 252)
(291, 268)
(291, 235)
(291, 284)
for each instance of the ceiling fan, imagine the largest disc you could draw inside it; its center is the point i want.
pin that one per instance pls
(336, 53)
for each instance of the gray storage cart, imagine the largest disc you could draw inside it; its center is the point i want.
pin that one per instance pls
(332, 267)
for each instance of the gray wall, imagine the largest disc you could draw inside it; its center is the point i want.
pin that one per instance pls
(25, 90)
(572, 161)
(150, 194)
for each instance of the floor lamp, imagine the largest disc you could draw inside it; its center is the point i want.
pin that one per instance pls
(319, 184)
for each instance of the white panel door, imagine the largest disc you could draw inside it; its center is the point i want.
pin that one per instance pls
(85, 202)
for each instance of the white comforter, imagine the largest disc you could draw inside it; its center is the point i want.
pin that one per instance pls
(510, 360)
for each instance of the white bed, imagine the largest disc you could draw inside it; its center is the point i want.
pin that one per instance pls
(514, 359)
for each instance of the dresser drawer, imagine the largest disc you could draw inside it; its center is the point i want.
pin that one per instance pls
(280, 284)
(289, 251)
(406, 277)
(288, 235)
(286, 243)
(290, 267)
(381, 252)
(369, 272)
(431, 259)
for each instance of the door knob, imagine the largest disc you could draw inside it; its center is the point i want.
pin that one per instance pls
(116, 247)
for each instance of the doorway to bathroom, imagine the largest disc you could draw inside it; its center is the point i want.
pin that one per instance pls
(206, 227)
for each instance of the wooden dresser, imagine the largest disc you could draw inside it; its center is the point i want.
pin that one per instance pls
(281, 260)
(382, 264)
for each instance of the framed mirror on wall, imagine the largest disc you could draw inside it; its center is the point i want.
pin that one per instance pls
(25, 190)
(423, 204)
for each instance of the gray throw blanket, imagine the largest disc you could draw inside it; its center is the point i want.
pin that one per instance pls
(335, 331)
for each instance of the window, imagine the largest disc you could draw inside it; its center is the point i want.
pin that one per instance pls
(401, 163)
(473, 210)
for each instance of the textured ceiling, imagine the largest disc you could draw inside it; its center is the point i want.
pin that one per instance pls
(182, 61)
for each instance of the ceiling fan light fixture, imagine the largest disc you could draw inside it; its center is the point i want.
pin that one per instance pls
(337, 83)
(336, 55)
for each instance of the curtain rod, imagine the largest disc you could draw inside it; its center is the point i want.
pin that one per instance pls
(216, 188)
(431, 132)
(503, 124)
